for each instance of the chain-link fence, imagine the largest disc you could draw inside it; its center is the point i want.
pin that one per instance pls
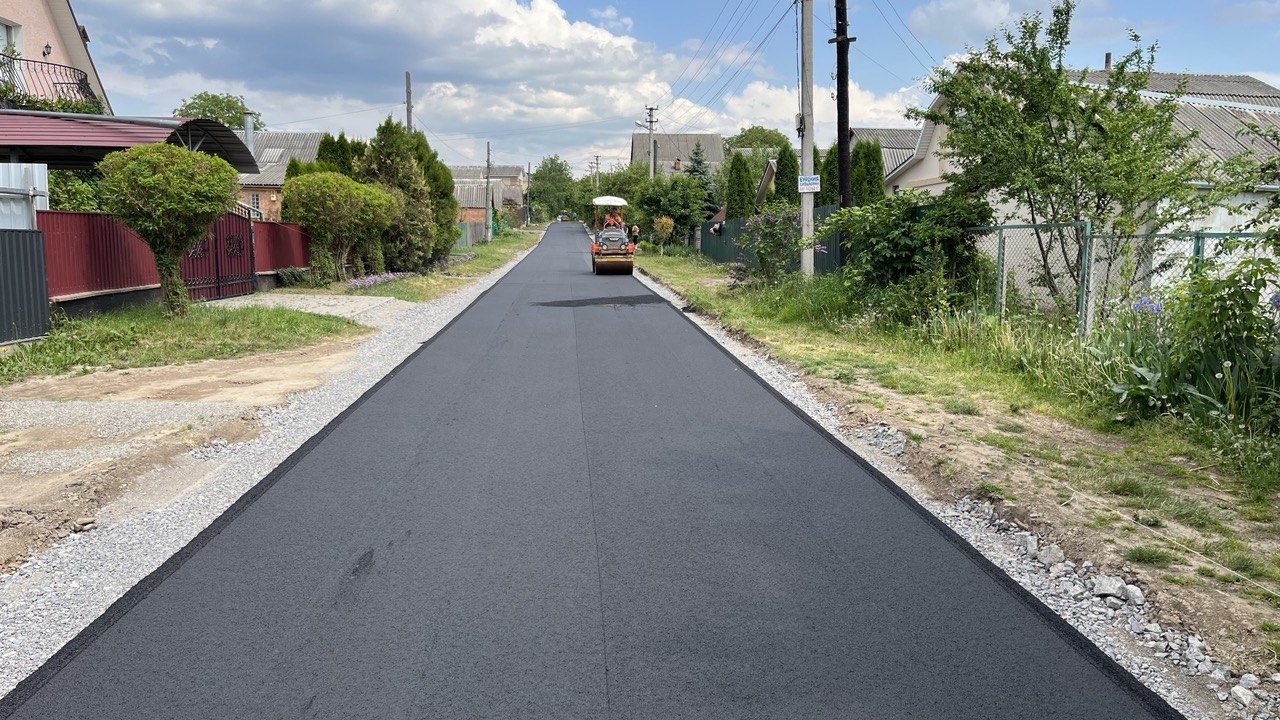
(1041, 266)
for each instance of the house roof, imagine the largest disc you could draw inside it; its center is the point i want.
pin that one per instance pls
(1218, 128)
(70, 141)
(273, 149)
(476, 172)
(672, 147)
(899, 138)
(1236, 89)
(471, 193)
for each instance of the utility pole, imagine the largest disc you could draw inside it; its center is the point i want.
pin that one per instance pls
(806, 131)
(841, 41)
(488, 193)
(649, 123)
(528, 182)
(596, 168)
(408, 102)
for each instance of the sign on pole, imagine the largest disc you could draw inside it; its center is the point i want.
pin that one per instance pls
(810, 183)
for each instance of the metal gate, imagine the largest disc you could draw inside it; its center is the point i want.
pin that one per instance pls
(24, 292)
(221, 264)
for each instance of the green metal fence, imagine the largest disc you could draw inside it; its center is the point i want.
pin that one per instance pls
(726, 247)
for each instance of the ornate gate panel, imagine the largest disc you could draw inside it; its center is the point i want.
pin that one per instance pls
(221, 263)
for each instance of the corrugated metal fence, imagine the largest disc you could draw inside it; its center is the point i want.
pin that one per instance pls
(24, 190)
(24, 296)
(472, 234)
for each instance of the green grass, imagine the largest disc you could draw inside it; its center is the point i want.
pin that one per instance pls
(990, 490)
(961, 406)
(1269, 626)
(493, 255)
(419, 288)
(1157, 557)
(141, 337)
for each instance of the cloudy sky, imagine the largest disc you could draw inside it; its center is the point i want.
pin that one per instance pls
(569, 77)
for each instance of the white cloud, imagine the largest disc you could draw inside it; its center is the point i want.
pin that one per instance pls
(611, 19)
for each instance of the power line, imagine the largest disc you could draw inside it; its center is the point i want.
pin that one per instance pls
(701, 45)
(898, 35)
(913, 35)
(342, 114)
(729, 30)
(745, 59)
(455, 150)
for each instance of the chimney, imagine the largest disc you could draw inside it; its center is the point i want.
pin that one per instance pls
(248, 131)
(1107, 65)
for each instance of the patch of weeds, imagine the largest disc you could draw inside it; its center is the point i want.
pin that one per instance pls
(992, 491)
(1259, 512)
(1148, 520)
(1017, 407)
(914, 436)
(906, 382)
(1269, 626)
(1135, 487)
(1011, 427)
(1192, 514)
(1206, 571)
(1147, 555)
(1180, 579)
(1102, 520)
(1052, 453)
(1007, 443)
(1266, 597)
(961, 406)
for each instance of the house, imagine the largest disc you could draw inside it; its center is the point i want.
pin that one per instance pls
(511, 194)
(897, 145)
(44, 53)
(1216, 106)
(273, 150)
(470, 194)
(674, 150)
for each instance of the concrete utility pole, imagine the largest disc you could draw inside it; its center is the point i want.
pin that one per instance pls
(842, 41)
(408, 101)
(806, 130)
(596, 168)
(650, 123)
(488, 193)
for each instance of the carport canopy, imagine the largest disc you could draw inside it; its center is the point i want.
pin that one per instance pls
(70, 141)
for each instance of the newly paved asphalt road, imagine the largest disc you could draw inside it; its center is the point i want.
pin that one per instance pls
(572, 504)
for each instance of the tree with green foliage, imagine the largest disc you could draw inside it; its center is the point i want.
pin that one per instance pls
(829, 193)
(756, 136)
(786, 181)
(378, 210)
(74, 190)
(391, 162)
(866, 172)
(226, 108)
(679, 197)
(444, 206)
(551, 187)
(169, 195)
(327, 204)
(1021, 126)
(335, 153)
(740, 192)
(700, 169)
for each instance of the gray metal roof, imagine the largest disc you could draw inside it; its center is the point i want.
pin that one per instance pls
(476, 172)
(470, 193)
(677, 147)
(273, 150)
(899, 138)
(1239, 89)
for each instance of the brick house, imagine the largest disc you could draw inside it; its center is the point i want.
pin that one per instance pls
(273, 150)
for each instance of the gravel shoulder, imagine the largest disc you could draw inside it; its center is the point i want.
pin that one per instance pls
(210, 435)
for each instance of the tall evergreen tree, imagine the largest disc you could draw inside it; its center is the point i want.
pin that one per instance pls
(786, 181)
(699, 169)
(390, 162)
(830, 192)
(740, 196)
(866, 173)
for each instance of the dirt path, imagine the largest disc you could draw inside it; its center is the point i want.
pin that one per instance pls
(72, 445)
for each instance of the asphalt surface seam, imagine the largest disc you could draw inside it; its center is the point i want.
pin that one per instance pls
(595, 527)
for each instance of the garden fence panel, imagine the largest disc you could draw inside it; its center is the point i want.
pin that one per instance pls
(726, 246)
(828, 251)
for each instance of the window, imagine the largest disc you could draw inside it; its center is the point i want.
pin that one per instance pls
(254, 202)
(10, 38)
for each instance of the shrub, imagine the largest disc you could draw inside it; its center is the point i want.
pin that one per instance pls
(169, 195)
(290, 276)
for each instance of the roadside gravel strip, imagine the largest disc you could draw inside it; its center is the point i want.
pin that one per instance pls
(53, 596)
(1064, 590)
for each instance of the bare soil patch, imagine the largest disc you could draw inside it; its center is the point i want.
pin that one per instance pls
(56, 479)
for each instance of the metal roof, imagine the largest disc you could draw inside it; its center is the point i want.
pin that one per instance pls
(899, 138)
(470, 193)
(677, 147)
(1219, 128)
(69, 141)
(1240, 89)
(476, 172)
(273, 150)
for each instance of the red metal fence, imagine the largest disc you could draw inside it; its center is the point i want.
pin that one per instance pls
(94, 254)
(280, 245)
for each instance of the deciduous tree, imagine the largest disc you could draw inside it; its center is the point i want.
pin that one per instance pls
(226, 108)
(169, 195)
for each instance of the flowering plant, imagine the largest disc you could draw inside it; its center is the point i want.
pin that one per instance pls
(369, 281)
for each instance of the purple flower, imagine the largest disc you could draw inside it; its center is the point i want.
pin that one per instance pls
(1275, 301)
(1146, 304)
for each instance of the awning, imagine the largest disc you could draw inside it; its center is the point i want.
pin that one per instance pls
(69, 141)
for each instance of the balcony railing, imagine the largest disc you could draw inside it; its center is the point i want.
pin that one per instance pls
(49, 81)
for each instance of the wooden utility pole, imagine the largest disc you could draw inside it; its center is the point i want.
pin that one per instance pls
(842, 41)
(408, 102)
(806, 131)
(650, 122)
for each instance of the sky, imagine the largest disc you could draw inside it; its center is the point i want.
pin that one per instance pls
(571, 77)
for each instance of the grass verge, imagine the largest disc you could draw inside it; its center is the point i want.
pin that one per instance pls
(143, 337)
(493, 255)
